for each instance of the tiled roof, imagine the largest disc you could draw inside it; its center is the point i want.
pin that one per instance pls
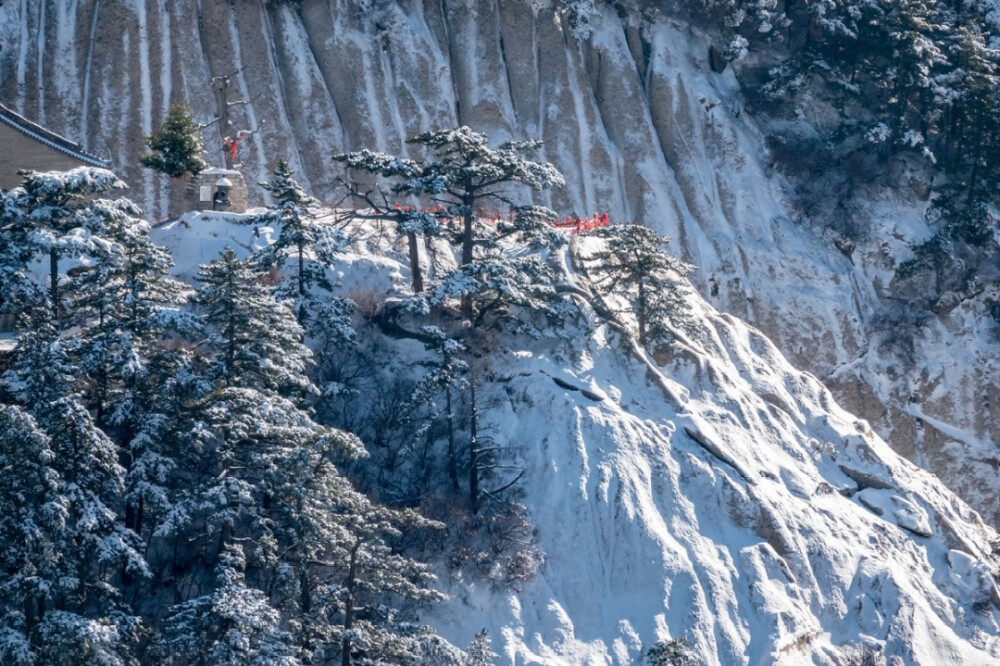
(51, 139)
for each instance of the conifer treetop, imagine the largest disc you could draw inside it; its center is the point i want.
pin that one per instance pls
(285, 189)
(462, 165)
(176, 148)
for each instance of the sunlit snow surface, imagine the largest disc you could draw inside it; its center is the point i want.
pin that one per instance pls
(715, 493)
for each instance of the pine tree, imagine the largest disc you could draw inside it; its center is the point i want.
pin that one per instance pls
(371, 571)
(973, 112)
(480, 652)
(233, 625)
(410, 222)
(634, 264)
(257, 344)
(78, 615)
(176, 148)
(229, 433)
(122, 305)
(20, 294)
(54, 214)
(464, 174)
(915, 36)
(341, 571)
(301, 238)
(32, 529)
(496, 290)
(237, 451)
(293, 211)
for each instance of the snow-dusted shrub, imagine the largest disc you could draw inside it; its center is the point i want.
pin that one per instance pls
(673, 652)
(866, 655)
(499, 544)
(578, 14)
(368, 303)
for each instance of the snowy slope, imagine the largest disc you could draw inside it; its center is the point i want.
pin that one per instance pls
(756, 518)
(715, 493)
(632, 115)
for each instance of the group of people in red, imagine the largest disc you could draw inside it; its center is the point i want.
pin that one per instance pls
(574, 223)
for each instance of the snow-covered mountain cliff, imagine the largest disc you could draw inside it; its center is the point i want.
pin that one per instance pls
(631, 113)
(713, 493)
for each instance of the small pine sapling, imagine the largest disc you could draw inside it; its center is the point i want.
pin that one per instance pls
(480, 652)
(176, 148)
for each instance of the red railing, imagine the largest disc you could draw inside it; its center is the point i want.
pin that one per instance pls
(581, 225)
(574, 224)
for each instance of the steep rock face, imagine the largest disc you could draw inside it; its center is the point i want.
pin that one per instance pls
(632, 115)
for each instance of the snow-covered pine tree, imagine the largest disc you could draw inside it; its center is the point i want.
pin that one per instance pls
(416, 224)
(463, 174)
(121, 305)
(79, 615)
(325, 317)
(232, 625)
(294, 212)
(973, 114)
(247, 415)
(338, 575)
(124, 306)
(176, 148)
(235, 445)
(480, 652)
(234, 426)
(20, 294)
(964, 204)
(255, 339)
(496, 290)
(635, 266)
(53, 214)
(432, 650)
(372, 573)
(911, 33)
(32, 531)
